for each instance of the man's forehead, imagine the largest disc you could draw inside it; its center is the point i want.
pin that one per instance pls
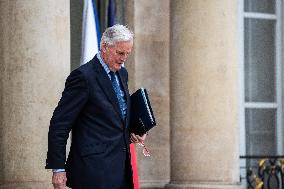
(122, 45)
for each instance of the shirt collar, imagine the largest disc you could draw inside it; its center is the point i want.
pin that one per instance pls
(105, 66)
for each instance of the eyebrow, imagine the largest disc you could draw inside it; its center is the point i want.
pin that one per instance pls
(122, 52)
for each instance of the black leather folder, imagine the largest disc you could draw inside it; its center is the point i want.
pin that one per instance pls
(141, 116)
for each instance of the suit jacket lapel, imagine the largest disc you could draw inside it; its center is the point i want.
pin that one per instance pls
(107, 87)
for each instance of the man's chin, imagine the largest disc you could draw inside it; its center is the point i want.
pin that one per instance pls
(118, 67)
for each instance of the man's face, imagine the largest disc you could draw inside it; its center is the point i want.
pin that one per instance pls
(115, 55)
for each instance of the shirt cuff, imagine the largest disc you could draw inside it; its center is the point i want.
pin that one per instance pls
(58, 170)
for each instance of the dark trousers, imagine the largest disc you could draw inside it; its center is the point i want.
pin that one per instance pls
(127, 182)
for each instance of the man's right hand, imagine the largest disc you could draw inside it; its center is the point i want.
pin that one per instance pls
(59, 180)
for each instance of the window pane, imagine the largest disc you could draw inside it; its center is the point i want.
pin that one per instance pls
(260, 131)
(259, 60)
(262, 6)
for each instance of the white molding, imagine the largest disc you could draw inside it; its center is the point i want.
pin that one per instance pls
(278, 68)
(260, 15)
(261, 105)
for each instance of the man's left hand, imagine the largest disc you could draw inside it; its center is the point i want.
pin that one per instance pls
(137, 139)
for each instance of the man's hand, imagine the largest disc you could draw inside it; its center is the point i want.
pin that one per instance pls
(59, 180)
(137, 139)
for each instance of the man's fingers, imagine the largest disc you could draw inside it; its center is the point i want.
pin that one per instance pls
(133, 138)
(141, 139)
(136, 138)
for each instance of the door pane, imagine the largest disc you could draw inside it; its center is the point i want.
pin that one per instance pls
(259, 60)
(260, 131)
(261, 6)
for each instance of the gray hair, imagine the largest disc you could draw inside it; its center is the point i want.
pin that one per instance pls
(116, 33)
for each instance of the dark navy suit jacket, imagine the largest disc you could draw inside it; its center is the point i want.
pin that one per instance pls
(100, 139)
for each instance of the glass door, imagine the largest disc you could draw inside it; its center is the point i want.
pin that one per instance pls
(261, 131)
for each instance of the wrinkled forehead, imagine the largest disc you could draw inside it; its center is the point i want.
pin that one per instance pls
(120, 43)
(123, 45)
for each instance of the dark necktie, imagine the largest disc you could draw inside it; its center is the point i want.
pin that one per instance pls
(119, 95)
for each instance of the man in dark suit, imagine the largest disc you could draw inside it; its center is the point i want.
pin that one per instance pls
(95, 105)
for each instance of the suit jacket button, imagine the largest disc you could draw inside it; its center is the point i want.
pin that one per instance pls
(124, 149)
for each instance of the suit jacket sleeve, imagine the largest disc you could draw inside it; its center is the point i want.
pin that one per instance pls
(73, 99)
